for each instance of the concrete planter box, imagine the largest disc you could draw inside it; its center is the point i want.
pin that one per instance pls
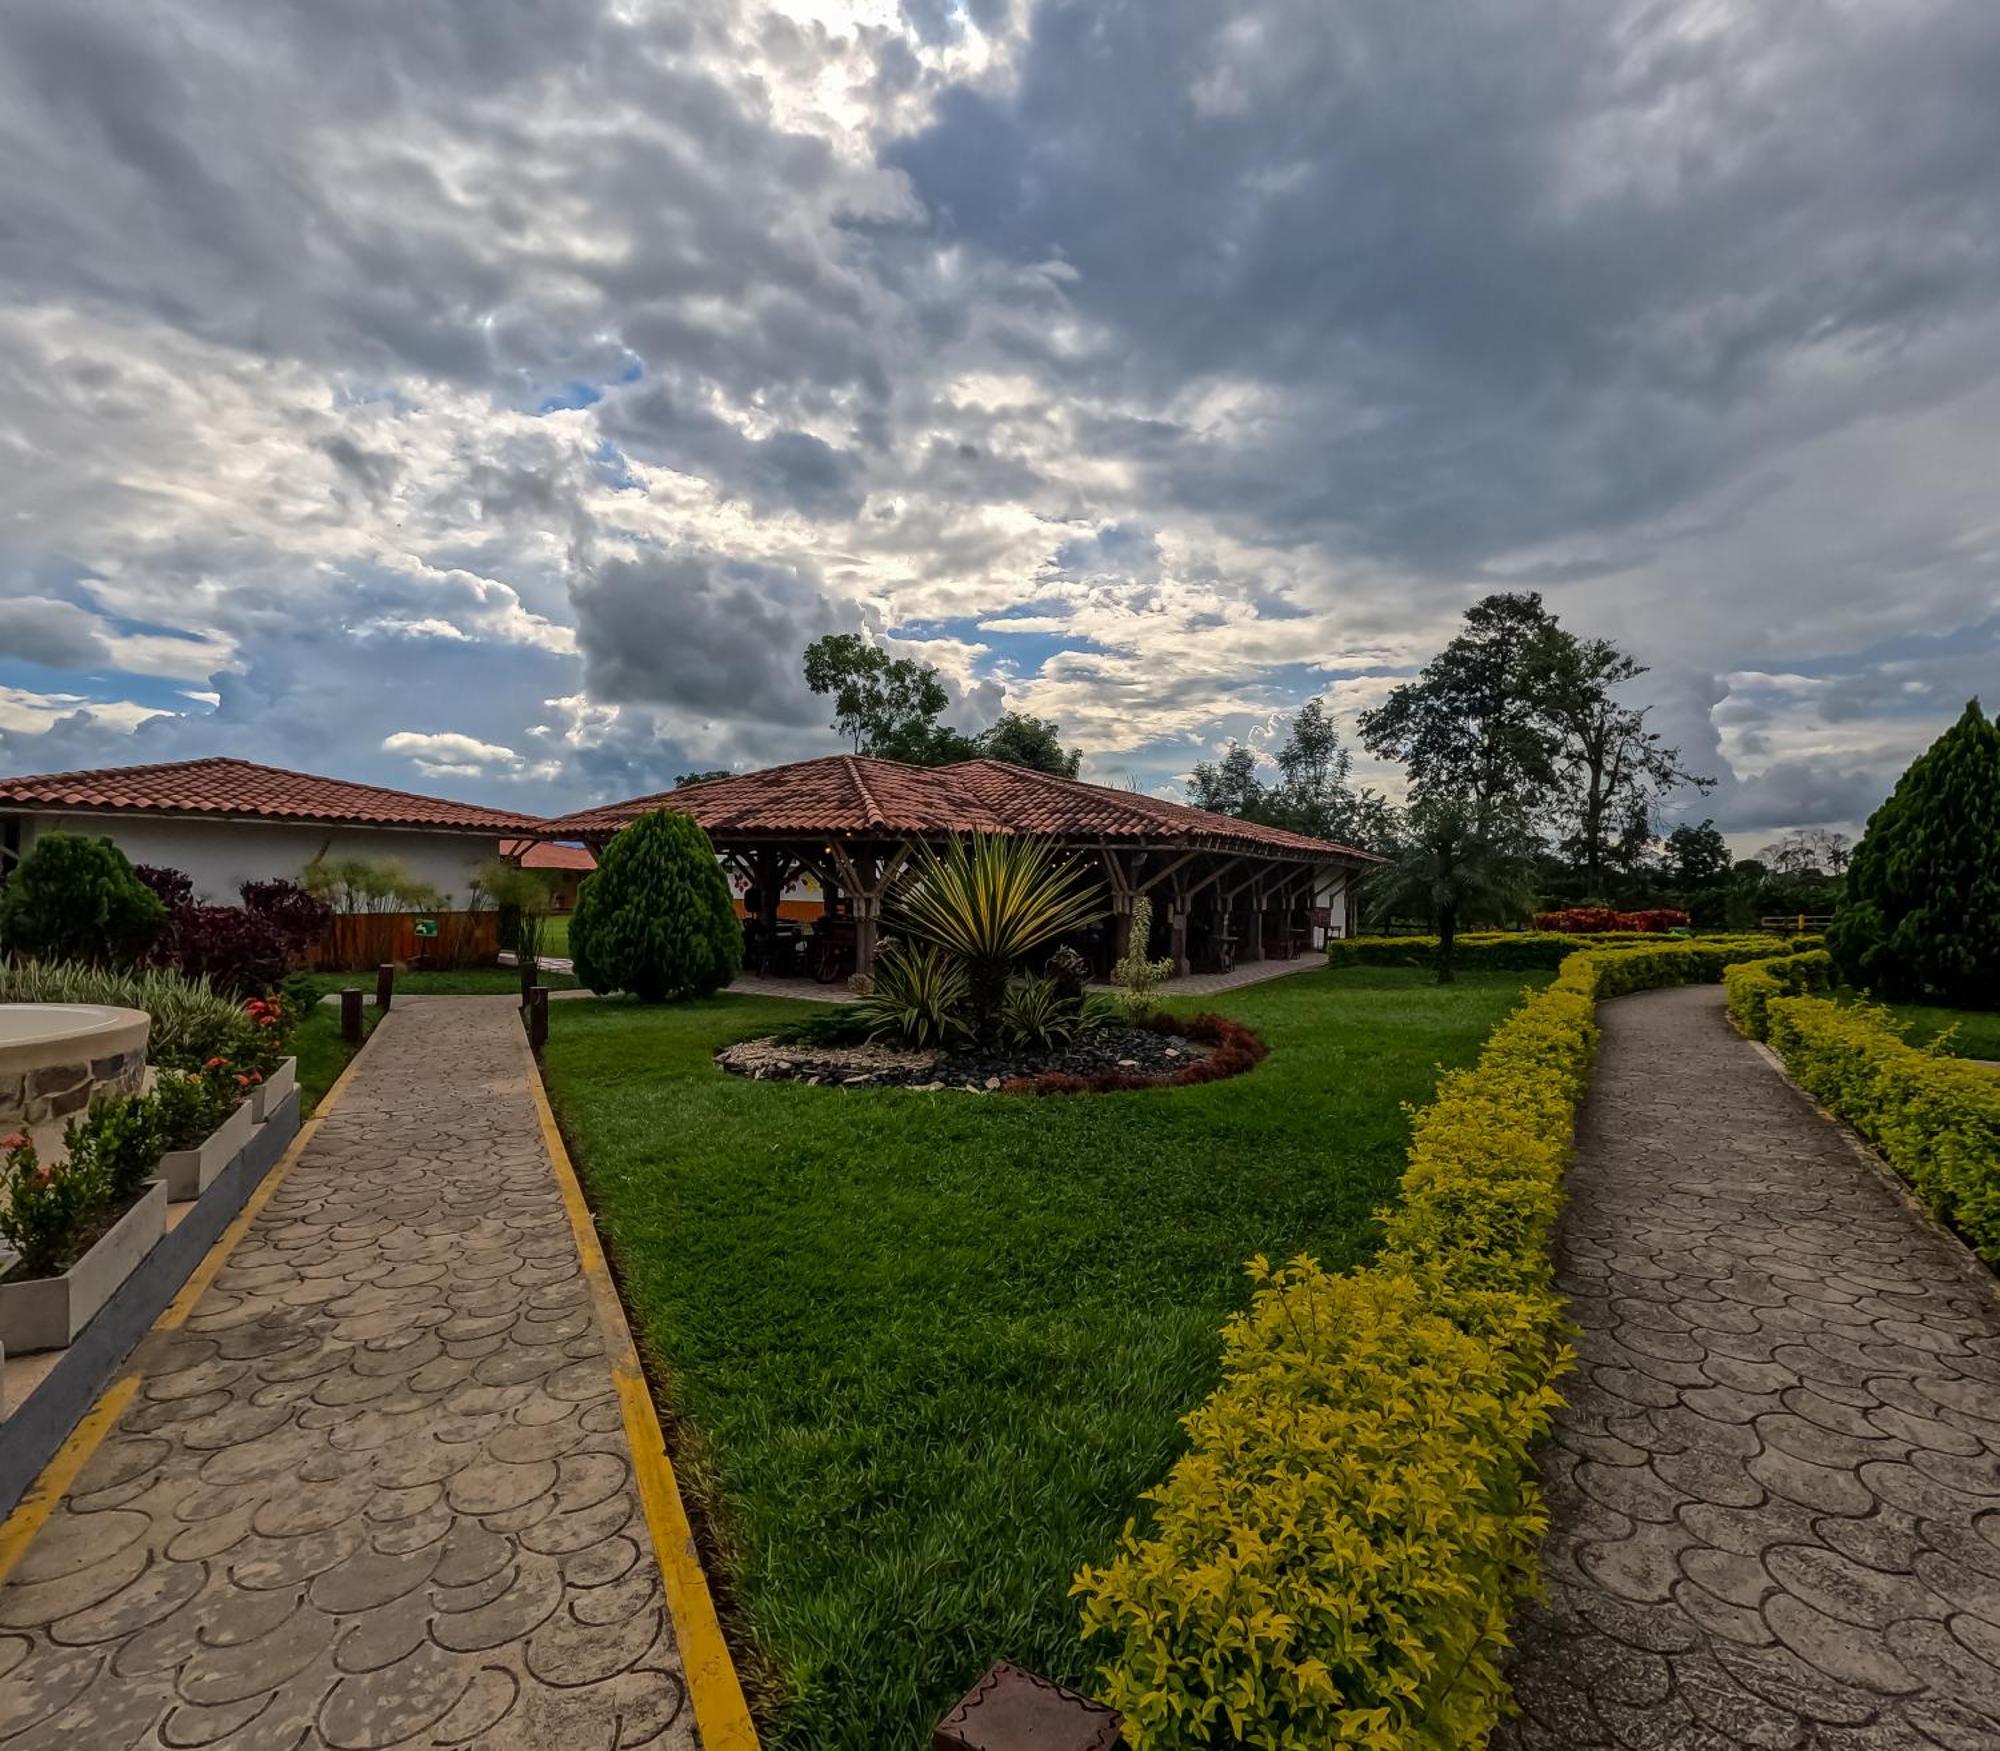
(266, 1096)
(187, 1173)
(46, 1313)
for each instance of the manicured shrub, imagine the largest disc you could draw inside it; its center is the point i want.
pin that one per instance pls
(1751, 985)
(656, 917)
(237, 951)
(1936, 1119)
(76, 898)
(1338, 1556)
(1516, 951)
(1919, 916)
(49, 1206)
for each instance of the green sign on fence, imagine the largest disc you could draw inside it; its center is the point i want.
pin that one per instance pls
(426, 927)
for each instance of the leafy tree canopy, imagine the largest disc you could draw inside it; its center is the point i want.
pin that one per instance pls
(1314, 794)
(1920, 913)
(1697, 857)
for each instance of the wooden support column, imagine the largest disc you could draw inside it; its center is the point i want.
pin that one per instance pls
(1177, 929)
(1119, 879)
(867, 878)
(1253, 934)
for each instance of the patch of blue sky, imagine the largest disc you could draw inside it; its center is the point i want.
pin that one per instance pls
(1018, 654)
(101, 686)
(615, 471)
(571, 395)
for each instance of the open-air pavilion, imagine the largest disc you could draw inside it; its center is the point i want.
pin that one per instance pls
(1223, 890)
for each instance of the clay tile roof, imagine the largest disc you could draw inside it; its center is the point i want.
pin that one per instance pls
(848, 793)
(222, 786)
(547, 854)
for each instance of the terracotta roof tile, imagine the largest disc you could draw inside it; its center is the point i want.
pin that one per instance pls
(847, 793)
(548, 854)
(223, 786)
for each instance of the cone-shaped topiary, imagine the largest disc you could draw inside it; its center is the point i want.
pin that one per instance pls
(657, 919)
(75, 898)
(1920, 915)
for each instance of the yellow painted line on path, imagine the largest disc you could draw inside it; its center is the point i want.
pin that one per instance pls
(18, 1531)
(720, 1712)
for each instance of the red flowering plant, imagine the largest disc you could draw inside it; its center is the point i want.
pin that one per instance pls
(49, 1207)
(1597, 920)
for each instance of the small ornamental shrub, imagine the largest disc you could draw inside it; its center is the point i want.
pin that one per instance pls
(48, 1206)
(171, 887)
(656, 917)
(190, 1105)
(1070, 971)
(302, 918)
(119, 1138)
(1936, 1119)
(918, 999)
(238, 951)
(1919, 915)
(75, 898)
(1035, 1016)
(1136, 977)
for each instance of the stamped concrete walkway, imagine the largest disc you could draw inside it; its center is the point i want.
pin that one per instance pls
(1776, 1495)
(376, 1491)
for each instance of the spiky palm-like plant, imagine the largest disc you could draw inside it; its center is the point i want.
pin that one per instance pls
(919, 996)
(1448, 867)
(990, 900)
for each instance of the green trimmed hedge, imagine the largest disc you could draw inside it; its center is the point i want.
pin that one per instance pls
(1752, 984)
(1522, 951)
(1337, 1558)
(1936, 1119)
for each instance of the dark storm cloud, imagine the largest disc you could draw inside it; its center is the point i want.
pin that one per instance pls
(703, 633)
(57, 635)
(1506, 278)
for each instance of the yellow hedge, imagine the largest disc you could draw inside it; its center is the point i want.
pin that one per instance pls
(1935, 1119)
(1336, 1559)
(1751, 986)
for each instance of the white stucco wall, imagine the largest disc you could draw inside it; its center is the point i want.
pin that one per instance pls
(218, 856)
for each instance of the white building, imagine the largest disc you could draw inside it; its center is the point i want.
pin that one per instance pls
(223, 822)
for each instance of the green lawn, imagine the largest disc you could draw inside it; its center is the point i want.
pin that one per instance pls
(555, 936)
(924, 1351)
(322, 1053)
(1978, 1033)
(465, 982)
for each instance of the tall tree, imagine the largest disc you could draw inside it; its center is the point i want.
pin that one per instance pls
(1920, 914)
(1611, 772)
(884, 705)
(1467, 727)
(1314, 795)
(1035, 742)
(1229, 786)
(1697, 857)
(1452, 872)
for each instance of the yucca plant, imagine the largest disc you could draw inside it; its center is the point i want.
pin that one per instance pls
(1034, 1014)
(919, 997)
(988, 901)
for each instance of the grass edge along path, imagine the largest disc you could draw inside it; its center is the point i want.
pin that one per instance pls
(922, 1352)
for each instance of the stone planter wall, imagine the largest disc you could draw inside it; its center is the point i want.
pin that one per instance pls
(45, 1313)
(269, 1094)
(187, 1173)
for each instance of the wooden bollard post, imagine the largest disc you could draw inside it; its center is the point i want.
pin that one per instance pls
(538, 1019)
(351, 1029)
(385, 984)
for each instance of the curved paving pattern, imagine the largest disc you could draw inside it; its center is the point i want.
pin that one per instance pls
(376, 1492)
(1776, 1489)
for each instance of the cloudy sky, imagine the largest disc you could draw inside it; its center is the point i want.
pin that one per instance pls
(493, 396)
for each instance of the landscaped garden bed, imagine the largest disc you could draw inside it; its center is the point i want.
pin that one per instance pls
(1114, 1057)
(923, 1356)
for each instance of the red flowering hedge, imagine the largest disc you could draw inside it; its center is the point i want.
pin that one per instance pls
(1236, 1049)
(1595, 920)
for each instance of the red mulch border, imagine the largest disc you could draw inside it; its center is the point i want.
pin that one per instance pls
(1236, 1049)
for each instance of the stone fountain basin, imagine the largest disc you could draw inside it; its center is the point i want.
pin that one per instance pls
(55, 1056)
